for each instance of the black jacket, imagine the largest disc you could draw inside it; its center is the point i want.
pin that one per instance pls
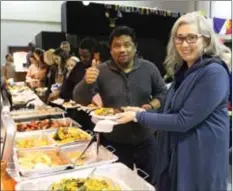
(74, 78)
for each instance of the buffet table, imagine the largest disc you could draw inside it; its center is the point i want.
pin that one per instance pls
(44, 149)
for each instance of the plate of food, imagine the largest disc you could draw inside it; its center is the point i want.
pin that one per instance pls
(106, 113)
(70, 104)
(58, 101)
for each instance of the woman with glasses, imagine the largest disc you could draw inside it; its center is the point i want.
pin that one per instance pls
(193, 129)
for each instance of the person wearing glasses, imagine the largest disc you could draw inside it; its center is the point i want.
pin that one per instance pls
(193, 129)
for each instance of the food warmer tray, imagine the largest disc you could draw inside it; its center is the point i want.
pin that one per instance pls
(87, 132)
(26, 114)
(36, 135)
(104, 155)
(117, 172)
(40, 171)
(74, 124)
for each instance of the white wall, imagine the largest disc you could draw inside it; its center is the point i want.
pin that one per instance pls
(221, 9)
(22, 20)
(31, 10)
(17, 33)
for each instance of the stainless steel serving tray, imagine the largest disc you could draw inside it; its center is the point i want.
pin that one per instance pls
(26, 114)
(67, 119)
(117, 172)
(87, 133)
(40, 171)
(91, 160)
(35, 135)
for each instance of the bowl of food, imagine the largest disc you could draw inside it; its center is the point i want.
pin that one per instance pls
(97, 183)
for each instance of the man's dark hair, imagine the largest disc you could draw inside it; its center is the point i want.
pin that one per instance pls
(87, 43)
(122, 30)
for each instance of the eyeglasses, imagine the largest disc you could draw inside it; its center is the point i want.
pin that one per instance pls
(190, 39)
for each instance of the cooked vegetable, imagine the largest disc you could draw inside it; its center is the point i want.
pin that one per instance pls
(90, 184)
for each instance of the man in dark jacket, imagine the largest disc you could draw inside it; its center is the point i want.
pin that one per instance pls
(76, 75)
(126, 80)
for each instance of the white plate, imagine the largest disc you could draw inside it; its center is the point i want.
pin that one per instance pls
(58, 101)
(70, 107)
(87, 109)
(109, 117)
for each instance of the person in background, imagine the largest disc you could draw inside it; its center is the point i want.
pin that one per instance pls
(85, 51)
(8, 70)
(65, 46)
(36, 73)
(193, 129)
(76, 75)
(126, 80)
(69, 81)
(70, 64)
(57, 73)
(101, 54)
(31, 48)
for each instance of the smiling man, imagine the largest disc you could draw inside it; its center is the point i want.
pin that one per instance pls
(126, 80)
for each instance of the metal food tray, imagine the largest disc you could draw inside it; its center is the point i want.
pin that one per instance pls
(104, 155)
(32, 134)
(87, 132)
(120, 175)
(39, 172)
(25, 114)
(74, 124)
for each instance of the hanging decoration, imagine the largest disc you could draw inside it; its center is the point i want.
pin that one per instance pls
(141, 10)
(222, 26)
(113, 15)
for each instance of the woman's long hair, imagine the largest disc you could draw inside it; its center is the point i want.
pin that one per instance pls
(173, 60)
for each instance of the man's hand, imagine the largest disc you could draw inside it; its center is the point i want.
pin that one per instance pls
(92, 74)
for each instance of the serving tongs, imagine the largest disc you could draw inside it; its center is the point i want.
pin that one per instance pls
(95, 137)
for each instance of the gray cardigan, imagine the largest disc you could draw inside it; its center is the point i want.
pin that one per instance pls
(118, 89)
